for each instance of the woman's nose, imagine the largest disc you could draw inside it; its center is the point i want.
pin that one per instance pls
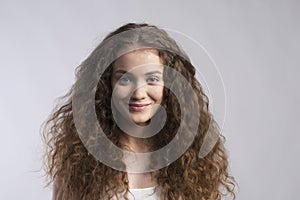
(139, 92)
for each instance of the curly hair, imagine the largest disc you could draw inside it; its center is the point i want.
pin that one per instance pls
(73, 168)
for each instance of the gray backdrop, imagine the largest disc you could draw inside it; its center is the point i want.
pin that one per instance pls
(255, 45)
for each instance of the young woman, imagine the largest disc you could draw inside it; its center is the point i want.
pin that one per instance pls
(136, 125)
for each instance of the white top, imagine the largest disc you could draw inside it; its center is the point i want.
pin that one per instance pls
(143, 194)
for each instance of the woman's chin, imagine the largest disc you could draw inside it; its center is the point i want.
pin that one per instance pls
(142, 123)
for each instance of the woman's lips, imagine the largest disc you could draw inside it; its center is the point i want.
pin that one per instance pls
(138, 107)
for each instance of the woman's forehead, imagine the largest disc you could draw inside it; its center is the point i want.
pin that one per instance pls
(144, 59)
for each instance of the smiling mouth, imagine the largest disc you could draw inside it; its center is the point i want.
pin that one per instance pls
(138, 107)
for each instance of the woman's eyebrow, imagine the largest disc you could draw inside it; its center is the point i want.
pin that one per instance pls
(121, 71)
(153, 72)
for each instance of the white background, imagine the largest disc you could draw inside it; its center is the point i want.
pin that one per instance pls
(254, 43)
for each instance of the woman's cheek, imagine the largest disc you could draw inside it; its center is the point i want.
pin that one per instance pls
(157, 93)
(121, 92)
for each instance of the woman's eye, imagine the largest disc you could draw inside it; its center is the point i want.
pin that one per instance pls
(124, 80)
(152, 79)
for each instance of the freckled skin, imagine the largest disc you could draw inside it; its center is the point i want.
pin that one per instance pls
(149, 88)
(139, 66)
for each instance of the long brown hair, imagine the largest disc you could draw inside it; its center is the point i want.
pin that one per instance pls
(77, 174)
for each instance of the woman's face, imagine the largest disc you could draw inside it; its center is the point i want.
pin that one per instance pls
(137, 82)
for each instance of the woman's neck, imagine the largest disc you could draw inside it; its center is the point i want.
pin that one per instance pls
(134, 144)
(138, 145)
